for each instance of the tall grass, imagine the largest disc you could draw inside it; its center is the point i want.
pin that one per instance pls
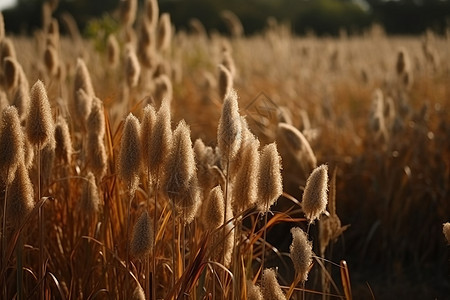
(303, 133)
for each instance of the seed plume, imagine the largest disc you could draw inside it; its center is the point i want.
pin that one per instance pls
(270, 183)
(253, 291)
(270, 287)
(225, 81)
(142, 239)
(214, 210)
(90, 199)
(130, 153)
(301, 253)
(39, 125)
(63, 148)
(315, 198)
(229, 132)
(11, 144)
(20, 196)
(446, 230)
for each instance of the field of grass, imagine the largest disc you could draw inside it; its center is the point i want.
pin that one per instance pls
(159, 164)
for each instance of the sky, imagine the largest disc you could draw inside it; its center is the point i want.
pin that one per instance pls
(7, 4)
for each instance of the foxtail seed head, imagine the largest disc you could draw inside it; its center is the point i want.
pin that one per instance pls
(229, 132)
(315, 197)
(142, 239)
(130, 153)
(270, 287)
(301, 253)
(270, 181)
(20, 197)
(11, 144)
(39, 125)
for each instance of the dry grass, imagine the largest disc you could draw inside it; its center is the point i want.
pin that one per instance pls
(378, 119)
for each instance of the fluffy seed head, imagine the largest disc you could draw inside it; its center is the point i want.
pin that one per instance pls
(245, 184)
(11, 72)
(82, 78)
(446, 230)
(301, 253)
(90, 199)
(7, 49)
(142, 239)
(204, 160)
(163, 88)
(11, 144)
(51, 60)
(21, 100)
(225, 81)
(132, 67)
(229, 132)
(128, 10)
(39, 126)
(2, 27)
(253, 291)
(97, 157)
(270, 181)
(63, 148)
(270, 287)
(161, 138)
(152, 12)
(164, 34)
(180, 167)
(147, 124)
(215, 207)
(113, 51)
(96, 119)
(130, 153)
(20, 196)
(138, 293)
(315, 197)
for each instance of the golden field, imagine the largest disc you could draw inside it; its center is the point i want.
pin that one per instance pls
(150, 163)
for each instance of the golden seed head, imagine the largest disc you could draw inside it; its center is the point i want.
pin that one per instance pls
(233, 23)
(96, 119)
(132, 67)
(83, 78)
(138, 293)
(21, 100)
(301, 253)
(229, 132)
(2, 27)
(446, 230)
(130, 153)
(315, 197)
(270, 287)
(11, 72)
(90, 200)
(253, 291)
(151, 12)
(113, 50)
(225, 81)
(164, 34)
(7, 49)
(11, 143)
(20, 197)
(97, 156)
(128, 11)
(204, 160)
(51, 60)
(270, 181)
(147, 127)
(245, 183)
(215, 207)
(39, 125)
(142, 239)
(163, 88)
(63, 148)
(161, 140)
(180, 166)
